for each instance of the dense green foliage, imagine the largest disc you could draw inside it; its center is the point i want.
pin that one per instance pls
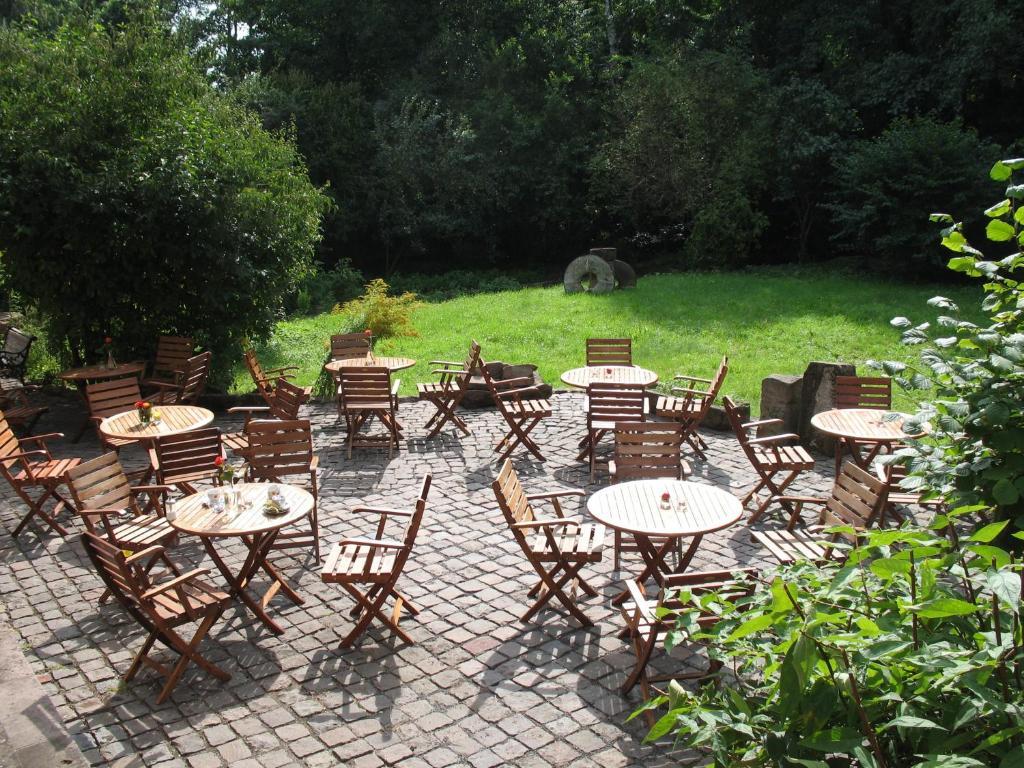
(135, 200)
(909, 654)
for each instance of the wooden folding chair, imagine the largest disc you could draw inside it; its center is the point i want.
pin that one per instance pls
(646, 622)
(608, 404)
(609, 352)
(345, 346)
(187, 458)
(645, 450)
(689, 404)
(267, 379)
(21, 413)
(27, 463)
(285, 402)
(448, 391)
(190, 385)
(362, 394)
(110, 507)
(108, 398)
(862, 392)
(161, 609)
(557, 547)
(172, 354)
(769, 456)
(892, 475)
(282, 449)
(377, 562)
(520, 414)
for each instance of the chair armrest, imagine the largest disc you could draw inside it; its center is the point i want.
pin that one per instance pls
(248, 409)
(761, 423)
(282, 369)
(314, 463)
(516, 381)
(43, 437)
(395, 386)
(23, 454)
(515, 392)
(555, 522)
(448, 370)
(146, 553)
(378, 543)
(164, 385)
(679, 580)
(151, 488)
(384, 511)
(684, 377)
(643, 608)
(699, 392)
(99, 512)
(804, 499)
(555, 494)
(445, 362)
(773, 439)
(174, 583)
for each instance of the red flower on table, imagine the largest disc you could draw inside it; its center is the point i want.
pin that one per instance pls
(140, 404)
(368, 332)
(666, 497)
(219, 461)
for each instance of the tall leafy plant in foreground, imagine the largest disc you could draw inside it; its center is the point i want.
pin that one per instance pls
(909, 654)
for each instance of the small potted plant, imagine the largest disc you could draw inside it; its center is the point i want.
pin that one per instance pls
(145, 409)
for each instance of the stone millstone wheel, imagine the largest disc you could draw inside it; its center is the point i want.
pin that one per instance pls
(625, 277)
(597, 272)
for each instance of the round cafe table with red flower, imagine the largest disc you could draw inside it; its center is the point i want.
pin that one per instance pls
(581, 378)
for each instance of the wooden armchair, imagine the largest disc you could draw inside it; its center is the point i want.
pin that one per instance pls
(646, 623)
(892, 475)
(609, 352)
(285, 402)
(266, 380)
(345, 346)
(690, 403)
(376, 563)
(448, 391)
(608, 404)
(857, 500)
(557, 547)
(362, 394)
(27, 464)
(161, 609)
(108, 398)
(864, 392)
(769, 456)
(21, 413)
(278, 451)
(521, 415)
(645, 450)
(14, 355)
(190, 385)
(172, 354)
(187, 458)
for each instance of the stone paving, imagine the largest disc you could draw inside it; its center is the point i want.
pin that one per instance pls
(479, 688)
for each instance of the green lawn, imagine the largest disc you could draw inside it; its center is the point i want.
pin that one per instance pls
(765, 320)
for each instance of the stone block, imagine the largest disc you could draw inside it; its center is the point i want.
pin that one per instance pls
(817, 395)
(478, 396)
(780, 399)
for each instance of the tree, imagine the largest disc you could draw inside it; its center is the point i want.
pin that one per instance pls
(135, 200)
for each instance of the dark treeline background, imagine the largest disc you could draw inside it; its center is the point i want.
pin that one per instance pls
(514, 134)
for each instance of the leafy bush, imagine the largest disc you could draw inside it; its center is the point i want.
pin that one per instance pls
(383, 314)
(136, 200)
(322, 288)
(909, 654)
(457, 282)
(972, 375)
(886, 187)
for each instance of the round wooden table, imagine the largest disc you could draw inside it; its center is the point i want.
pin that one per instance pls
(90, 374)
(581, 378)
(258, 530)
(391, 363)
(854, 427)
(634, 507)
(175, 419)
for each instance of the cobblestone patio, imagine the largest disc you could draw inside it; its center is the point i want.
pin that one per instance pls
(478, 688)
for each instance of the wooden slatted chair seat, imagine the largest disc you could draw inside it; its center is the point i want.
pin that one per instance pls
(172, 354)
(162, 609)
(557, 547)
(446, 394)
(521, 414)
(769, 456)
(48, 469)
(365, 393)
(857, 501)
(379, 562)
(689, 404)
(190, 384)
(609, 352)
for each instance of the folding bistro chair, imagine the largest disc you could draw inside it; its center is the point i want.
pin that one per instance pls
(190, 385)
(690, 403)
(769, 456)
(161, 609)
(893, 475)
(187, 458)
(109, 398)
(110, 507)
(170, 361)
(608, 404)
(27, 463)
(645, 450)
(862, 392)
(378, 563)
(609, 352)
(279, 450)
(521, 415)
(557, 547)
(285, 403)
(266, 380)
(345, 346)
(857, 501)
(448, 391)
(362, 394)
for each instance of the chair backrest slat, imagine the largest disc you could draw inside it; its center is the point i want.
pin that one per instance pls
(349, 345)
(188, 453)
(362, 386)
(107, 398)
(259, 378)
(512, 499)
(873, 392)
(126, 583)
(100, 483)
(279, 448)
(193, 381)
(9, 445)
(287, 400)
(172, 354)
(857, 500)
(742, 435)
(607, 402)
(648, 450)
(609, 352)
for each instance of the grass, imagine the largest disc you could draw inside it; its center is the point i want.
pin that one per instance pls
(767, 321)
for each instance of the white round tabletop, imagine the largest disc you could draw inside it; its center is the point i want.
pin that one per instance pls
(174, 419)
(194, 515)
(391, 363)
(581, 378)
(693, 508)
(864, 424)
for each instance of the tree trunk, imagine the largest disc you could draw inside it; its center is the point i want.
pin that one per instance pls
(609, 17)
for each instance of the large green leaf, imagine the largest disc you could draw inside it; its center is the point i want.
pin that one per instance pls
(1000, 172)
(1013, 759)
(1005, 584)
(750, 626)
(909, 721)
(1005, 492)
(989, 532)
(999, 231)
(999, 209)
(944, 607)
